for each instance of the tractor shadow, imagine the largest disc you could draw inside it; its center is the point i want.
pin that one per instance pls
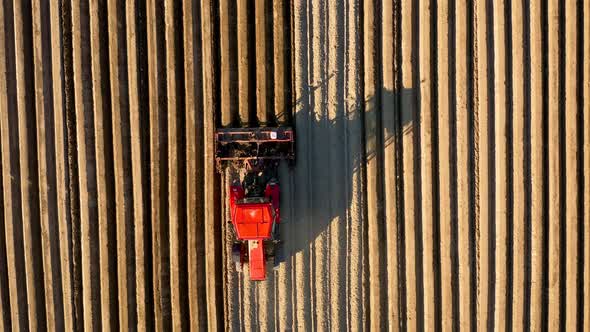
(335, 141)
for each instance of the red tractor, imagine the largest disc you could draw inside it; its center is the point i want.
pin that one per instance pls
(254, 200)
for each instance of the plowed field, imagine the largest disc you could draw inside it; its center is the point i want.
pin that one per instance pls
(442, 176)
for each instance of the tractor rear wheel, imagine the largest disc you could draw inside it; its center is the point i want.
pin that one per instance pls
(236, 255)
(279, 256)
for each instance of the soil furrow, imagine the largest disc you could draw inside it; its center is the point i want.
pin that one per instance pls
(18, 309)
(554, 201)
(46, 167)
(484, 162)
(408, 126)
(586, 217)
(517, 253)
(136, 162)
(443, 99)
(103, 146)
(501, 155)
(537, 166)
(426, 213)
(462, 174)
(60, 167)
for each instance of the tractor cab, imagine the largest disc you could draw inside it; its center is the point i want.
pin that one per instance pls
(254, 220)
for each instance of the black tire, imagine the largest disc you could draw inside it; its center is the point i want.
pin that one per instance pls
(279, 256)
(236, 253)
(276, 234)
(269, 249)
